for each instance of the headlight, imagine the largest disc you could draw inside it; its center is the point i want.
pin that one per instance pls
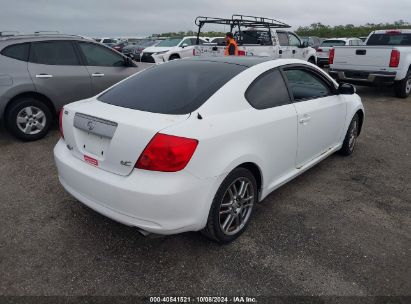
(159, 53)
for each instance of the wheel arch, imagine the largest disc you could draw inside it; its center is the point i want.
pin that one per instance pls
(360, 114)
(174, 55)
(255, 171)
(47, 101)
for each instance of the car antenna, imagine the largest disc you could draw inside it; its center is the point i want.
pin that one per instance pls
(199, 116)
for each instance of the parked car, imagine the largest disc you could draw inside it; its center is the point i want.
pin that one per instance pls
(170, 49)
(217, 40)
(134, 50)
(327, 44)
(108, 41)
(119, 46)
(384, 60)
(313, 41)
(167, 150)
(324, 50)
(257, 36)
(41, 73)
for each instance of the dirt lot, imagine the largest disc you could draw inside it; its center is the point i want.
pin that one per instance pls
(342, 228)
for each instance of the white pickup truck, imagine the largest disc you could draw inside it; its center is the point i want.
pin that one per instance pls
(384, 60)
(256, 36)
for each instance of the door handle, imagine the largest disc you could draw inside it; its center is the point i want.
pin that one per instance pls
(294, 51)
(43, 75)
(97, 74)
(280, 52)
(305, 119)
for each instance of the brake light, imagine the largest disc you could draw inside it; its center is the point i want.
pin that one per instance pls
(194, 52)
(393, 32)
(241, 53)
(395, 59)
(61, 123)
(167, 153)
(319, 50)
(331, 57)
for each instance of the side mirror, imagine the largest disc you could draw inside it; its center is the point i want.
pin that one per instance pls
(304, 44)
(184, 45)
(346, 89)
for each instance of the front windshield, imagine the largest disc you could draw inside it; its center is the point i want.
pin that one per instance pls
(170, 42)
(333, 43)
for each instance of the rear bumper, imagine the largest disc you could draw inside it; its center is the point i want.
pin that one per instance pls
(162, 203)
(322, 60)
(370, 78)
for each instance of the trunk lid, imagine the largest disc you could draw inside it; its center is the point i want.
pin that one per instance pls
(111, 137)
(374, 57)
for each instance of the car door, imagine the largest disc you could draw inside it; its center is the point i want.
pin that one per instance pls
(321, 112)
(57, 72)
(295, 46)
(105, 66)
(284, 49)
(277, 125)
(186, 51)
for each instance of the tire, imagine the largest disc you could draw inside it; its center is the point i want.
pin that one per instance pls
(402, 88)
(174, 57)
(235, 214)
(351, 137)
(312, 60)
(28, 119)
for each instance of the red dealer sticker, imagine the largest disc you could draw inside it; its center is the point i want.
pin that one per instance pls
(91, 160)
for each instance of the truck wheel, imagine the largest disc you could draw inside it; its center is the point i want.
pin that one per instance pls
(28, 119)
(403, 88)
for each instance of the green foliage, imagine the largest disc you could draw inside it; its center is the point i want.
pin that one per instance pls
(349, 30)
(189, 33)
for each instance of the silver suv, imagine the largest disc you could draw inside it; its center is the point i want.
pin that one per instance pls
(41, 73)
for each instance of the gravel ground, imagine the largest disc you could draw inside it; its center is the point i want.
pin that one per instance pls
(342, 228)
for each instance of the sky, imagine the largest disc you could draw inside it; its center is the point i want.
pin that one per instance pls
(108, 18)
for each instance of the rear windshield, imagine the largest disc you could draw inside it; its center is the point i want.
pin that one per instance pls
(333, 43)
(390, 39)
(178, 87)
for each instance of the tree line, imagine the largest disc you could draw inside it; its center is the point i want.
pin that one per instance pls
(315, 29)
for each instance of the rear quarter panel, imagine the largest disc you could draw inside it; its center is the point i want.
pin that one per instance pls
(14, 80)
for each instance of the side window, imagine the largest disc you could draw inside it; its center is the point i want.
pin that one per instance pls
(53, 53)
(17, 51)
(268, 91)
(194, 41)
(97, 55)
(352, 42)
(294, 41)
(283, 38)
(186, 41)
(305, 85)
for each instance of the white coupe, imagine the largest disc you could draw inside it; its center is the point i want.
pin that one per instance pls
(194, 144)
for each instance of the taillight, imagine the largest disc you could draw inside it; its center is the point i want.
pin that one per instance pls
(194, 52)
(319, 50)
(241, 53)
(331, 57)
(395, 59)
(167, 153)
(61, 123)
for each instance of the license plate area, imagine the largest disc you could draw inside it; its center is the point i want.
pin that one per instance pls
(93, 144)
(93, 134)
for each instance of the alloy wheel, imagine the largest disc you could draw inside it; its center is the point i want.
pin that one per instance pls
(236, 206)
(31, 120)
